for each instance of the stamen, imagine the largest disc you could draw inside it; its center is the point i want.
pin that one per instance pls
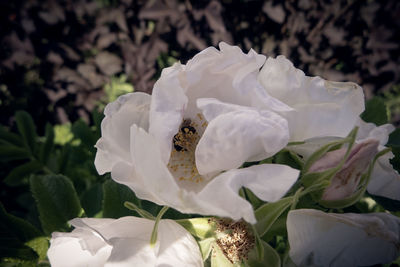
(182, 162)
(235, 239)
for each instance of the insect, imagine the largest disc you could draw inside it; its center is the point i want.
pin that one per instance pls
(185, 137)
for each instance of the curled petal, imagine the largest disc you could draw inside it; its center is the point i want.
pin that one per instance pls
(268, 181)
(151, 172)
(113, 146)
(321, 108)
(370, 130)
(326, 239)
(385, 181)
(168, 104)
(232, 138)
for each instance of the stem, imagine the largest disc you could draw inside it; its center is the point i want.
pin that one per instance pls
(142, 213)
(153, 238)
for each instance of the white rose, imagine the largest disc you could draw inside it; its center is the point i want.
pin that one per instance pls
(182, 146)
(123, 242)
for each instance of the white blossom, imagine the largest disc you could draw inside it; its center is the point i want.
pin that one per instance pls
(123, 242)
(184, 145)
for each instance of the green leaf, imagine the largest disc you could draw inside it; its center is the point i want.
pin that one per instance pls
(27, 129)
(114, 196)
(394, 138)
(11, 152)
(271, 257)
(56, 200)
(199, 227)
(82, 131)
(10, 138)
(47, 147)
(375, 111)
(17, 175)
(14, 232)
(22, 229)
(268, 213)
(40, 245)
(91, 200)
(287, 157)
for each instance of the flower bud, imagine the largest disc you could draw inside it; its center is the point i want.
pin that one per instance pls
(345, 182)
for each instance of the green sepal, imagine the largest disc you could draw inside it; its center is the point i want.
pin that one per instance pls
(27, 129)
(271, 257)
(323, 178)
(142, 213)
(356, 196)
(206, 246)
(218, 258)
(199, 227)
(154, 233)
(268, 213)
(56, 200)
(331, 146)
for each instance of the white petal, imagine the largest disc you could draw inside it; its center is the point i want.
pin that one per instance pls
(268, 181)
(177, 246)
(126, 242)
(322, 108)
(370, 130)
(232, 138)
(152, 173)
(113, 146)
(327, 239)
(385, 181)
(68, 252)
(168, 104)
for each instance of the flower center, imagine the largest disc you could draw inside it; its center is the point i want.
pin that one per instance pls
(182, 163)
(234, 239)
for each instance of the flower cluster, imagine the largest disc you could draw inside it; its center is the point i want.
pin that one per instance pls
(210, 141)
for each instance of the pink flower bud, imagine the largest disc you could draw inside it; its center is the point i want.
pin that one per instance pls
(345, 182)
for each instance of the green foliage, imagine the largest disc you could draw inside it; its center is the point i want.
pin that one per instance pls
(27, 129)
(375, 111)
(115, 196)
(19, 239)
(116, 87)
(57, 201)
(268, 213)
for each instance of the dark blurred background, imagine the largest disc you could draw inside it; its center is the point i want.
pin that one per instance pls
(59, 58)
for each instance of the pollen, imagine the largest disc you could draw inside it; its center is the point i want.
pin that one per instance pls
(182, 162)
(234, 239)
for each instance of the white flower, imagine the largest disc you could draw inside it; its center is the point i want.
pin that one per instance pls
(205, 120)
(327, 239)
(320, 107)
(123, 242)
